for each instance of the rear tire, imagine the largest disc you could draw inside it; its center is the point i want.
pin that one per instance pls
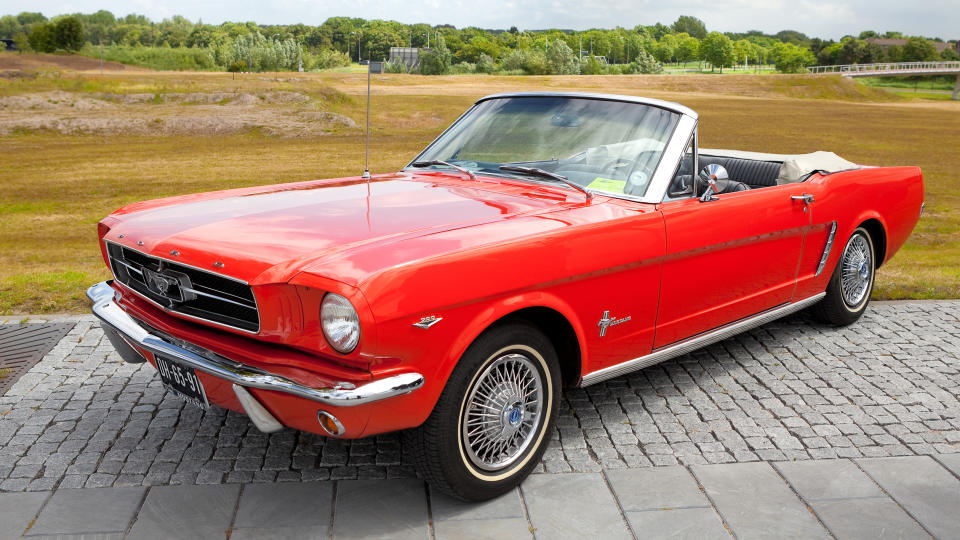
(848, 292)
(491, 425)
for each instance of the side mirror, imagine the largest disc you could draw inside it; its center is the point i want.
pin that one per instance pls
(716, 179)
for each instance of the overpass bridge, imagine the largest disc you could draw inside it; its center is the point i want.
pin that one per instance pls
(894, 69)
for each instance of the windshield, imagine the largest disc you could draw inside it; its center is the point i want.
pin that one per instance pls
(602, 145)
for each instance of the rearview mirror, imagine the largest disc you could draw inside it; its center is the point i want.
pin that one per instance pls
(715, 179)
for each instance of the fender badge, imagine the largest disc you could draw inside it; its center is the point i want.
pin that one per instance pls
(427, 322)
(607, 321)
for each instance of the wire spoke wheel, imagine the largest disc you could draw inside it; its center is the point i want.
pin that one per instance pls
(503, 412)
(856, 270)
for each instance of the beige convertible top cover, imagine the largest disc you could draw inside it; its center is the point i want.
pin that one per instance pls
(793, 167)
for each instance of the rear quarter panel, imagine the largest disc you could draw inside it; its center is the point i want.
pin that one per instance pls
(890, 195)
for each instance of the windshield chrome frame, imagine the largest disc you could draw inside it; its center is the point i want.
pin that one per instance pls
(672, 153)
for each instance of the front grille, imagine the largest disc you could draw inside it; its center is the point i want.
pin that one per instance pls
(184, 289)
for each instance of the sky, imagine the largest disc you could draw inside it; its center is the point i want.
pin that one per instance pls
(829, 19)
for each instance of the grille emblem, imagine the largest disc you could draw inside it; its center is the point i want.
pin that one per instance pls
(175, 287)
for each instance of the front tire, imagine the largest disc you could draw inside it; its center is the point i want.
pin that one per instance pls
(848, 292)
(490, 426)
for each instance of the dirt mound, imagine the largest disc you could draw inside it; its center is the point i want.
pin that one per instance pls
(52, 100)
(60, 61)
(329, 119)
(11, 75)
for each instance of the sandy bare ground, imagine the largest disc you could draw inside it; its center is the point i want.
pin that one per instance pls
(279, 113)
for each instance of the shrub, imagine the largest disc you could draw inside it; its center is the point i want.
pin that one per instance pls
(592, 66)
(562, 59)
(463, 68)
(436, 60)
(396, 66)
(647, 64)
(485, 64)
(325, 59)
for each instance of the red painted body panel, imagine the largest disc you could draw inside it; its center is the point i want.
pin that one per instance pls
(406, 246)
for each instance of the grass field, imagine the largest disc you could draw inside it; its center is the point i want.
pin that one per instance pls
(77, 145)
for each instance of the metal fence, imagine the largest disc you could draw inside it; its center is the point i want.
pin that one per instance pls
(889, 68)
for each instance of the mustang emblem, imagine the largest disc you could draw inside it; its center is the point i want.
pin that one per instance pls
(173, 286)
(607, 321)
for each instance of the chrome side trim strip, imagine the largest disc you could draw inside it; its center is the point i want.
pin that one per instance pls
(826, 248)
(258, 414)
(344, 395)
(682, 347)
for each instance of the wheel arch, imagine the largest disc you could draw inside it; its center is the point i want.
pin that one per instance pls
(878, 235)
(552, 316)
(560, 333)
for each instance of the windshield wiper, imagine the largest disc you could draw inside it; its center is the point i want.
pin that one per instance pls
(534, 171)
(465, 171)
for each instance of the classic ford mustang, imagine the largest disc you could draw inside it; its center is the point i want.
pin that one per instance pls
(544, 240)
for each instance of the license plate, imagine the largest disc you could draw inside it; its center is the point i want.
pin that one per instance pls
(182, 382)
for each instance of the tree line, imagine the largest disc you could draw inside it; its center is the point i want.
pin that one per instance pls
(178, 43)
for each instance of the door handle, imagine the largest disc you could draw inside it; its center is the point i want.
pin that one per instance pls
(806, 198)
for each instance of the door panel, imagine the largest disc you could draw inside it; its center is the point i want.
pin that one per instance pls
(729, 258)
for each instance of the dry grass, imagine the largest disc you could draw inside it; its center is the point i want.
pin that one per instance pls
(58, 183)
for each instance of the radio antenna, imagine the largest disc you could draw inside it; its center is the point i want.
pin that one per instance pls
(366, 163)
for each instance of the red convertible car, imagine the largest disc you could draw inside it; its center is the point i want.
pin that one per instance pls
(544, 240)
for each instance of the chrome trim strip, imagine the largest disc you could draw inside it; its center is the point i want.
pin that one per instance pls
(682, 347)
(826, 248)
(112, 315)
(176, 313)
(672, 154)
(220, 298)
(174, 261)
(258, 414)
(659, 103)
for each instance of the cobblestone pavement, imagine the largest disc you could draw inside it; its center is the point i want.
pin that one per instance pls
(791, 390)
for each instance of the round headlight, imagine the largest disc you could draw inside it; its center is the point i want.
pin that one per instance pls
(340, 323)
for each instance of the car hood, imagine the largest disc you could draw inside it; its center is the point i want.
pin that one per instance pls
(269, 234)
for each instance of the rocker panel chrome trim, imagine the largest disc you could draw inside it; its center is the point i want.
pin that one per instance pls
(696, 342)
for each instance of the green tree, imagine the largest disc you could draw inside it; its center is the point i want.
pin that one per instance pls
(562, 59)
(21, 41)
(485, 64)
(918, 49)
(717, 49)
(949, 54)
(790, 58)
(691, 25)
(592, 66)
(68, 34)
(646, 63)
(436, 59)
(42, 37)
(27, 18)
(688, 49)
(9, 26)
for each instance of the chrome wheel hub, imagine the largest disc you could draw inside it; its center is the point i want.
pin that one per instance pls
(503, 412)
(855, 271)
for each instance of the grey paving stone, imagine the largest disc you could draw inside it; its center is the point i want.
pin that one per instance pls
(653, 488)
(925, 489)
(950, 461)
(756, 503)
(482, 529)
(86, 511)
(173, 512)
(379, 508)
(692, 523)
(280, 533)
(828, 479)
(867, 519)
(305, 506)
(17, 511)
(551, 499)
(446, 508)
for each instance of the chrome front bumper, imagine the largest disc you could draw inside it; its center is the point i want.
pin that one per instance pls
(340, 395)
